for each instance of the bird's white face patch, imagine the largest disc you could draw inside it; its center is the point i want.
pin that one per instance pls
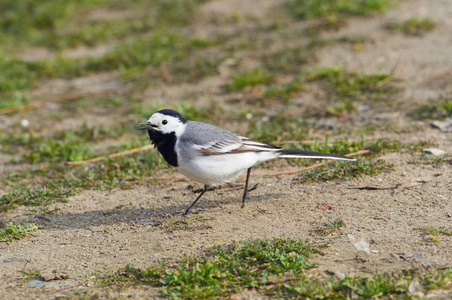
(166, 124)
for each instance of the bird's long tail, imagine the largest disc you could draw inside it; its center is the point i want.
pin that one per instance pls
(292, 153)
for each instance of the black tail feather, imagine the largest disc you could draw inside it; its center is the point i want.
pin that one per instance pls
(312, 154)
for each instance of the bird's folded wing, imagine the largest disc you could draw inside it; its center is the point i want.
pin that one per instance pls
(243, 144)
(256, 145)
(222, 147)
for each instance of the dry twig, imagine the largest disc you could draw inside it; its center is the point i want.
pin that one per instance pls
(79, 162)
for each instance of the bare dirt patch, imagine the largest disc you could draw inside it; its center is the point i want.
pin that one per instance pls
(106, 229)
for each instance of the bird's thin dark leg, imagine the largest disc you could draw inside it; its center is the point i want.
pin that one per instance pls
(248, 172)
(199, 196)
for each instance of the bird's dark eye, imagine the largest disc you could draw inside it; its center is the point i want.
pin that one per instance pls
(164, 122)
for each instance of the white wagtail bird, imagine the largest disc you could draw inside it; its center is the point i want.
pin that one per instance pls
(212, 155)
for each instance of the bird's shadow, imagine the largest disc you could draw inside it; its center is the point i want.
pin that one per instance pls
(121, 215)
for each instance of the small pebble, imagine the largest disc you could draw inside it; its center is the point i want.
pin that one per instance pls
(443, 126)
(363, 107)
(24, 123)
(382, 117)
(146, 222)
(434, 151)
(52, 106)
(15, 259)
(340, 275)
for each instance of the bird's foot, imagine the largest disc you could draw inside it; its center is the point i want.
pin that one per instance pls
(253, 188)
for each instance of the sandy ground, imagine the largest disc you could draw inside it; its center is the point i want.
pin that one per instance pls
(105, 230)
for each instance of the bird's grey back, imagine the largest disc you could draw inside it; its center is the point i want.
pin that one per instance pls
(199, 133)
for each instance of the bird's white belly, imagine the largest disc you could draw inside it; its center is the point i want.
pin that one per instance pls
(218, 169)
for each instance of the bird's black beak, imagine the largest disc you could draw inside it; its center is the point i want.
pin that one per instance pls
(146, 126)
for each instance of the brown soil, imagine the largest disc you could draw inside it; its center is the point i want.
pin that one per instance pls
(105, 230)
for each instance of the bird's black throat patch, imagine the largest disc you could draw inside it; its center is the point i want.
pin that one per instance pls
(165, 143)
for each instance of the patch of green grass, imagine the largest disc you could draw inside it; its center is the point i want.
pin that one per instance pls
(377, 286)
(418, 146)
(438, 279)
(19, 17)
(413, 26)
(426, 159)
(310, 9)
(288, 60)
(284, 91)
(272, 268)
(15, 76)
(14, 231)
(291, 130)
(327, 228)
(228, 269)
(380, 146)
(278, 127)
(348, 87)
(250, 78)
(142, 52)
(438, 160)
(171, 52)
(283, 127)
(60, 181)
(30, 274)
(193, 67)
(331, 288)
(58, 25)
(435, 110)
(174, 53)
(339, 108)
(175, 12)
(142, 17)
(334, 14)
(339, 147)
(200, 42)
(345, 170)
(110, 171)
(119, 171)
(38, 196)
(70, 149)
(68, 145)
(57, 67)
(18, 75)
(13, 99)
(435, 232)
(396, 285)
(92, 35)
(183, 221)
